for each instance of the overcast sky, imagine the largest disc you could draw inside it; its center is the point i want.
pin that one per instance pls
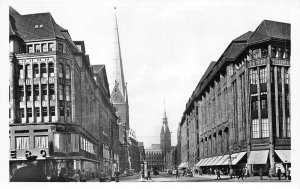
(166, 47)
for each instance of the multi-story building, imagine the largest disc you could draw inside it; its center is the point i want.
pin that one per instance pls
(59, 105)
(239, 113)
(155, 157)
(134, 152)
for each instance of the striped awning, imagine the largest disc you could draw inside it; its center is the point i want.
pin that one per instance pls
(227, 161)
(201, 164)
(238, 158)
(184, 165)
(258, 157)
(222, 159)
(211, 161)
(216, 160)
(207, 161)
(198, 164)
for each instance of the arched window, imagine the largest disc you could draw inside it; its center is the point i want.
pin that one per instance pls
(28, 71)
(68, 73)
(60, 70)
(21, 71)
(43, 70)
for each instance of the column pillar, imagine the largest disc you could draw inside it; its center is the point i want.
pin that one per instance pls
(259, 103)
(276, 101)
(284, 134)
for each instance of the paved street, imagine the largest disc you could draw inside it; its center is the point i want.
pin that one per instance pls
(164, 177)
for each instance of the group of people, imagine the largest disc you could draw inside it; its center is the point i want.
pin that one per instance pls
(278, 174)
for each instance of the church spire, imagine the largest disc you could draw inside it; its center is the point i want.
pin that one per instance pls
(165, 120)
(118, 73)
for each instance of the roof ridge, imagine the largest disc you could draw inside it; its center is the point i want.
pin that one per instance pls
(264, 22)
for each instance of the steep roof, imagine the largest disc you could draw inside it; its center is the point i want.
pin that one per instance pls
(35, 26)
(97, 68)
(270, 29)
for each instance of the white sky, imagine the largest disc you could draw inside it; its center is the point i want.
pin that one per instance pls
(166, 47)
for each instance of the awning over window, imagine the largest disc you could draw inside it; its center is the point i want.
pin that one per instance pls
(211, 161)
(284, 155)
(216, 160)
(207, 161)
(201, 164)
(238, 158)
(258, 157)
(184, 165)
(198, 164)
(222, 160)
(233, 156)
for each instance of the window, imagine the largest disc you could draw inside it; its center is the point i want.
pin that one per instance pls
(44, 47)
(41, 141)
(255, 130)
(50, 47)
(265, 128)
(21, 93)
(45, 111)
(61, 110)
(288, 127)
(36, 70)
(263, 98)
(68, 76)
(36, 92)
(51, 91)
(68, 93)
(60, 47)
(37, 48)
(286, 54)
(21, 72)
(279, 53)
(43, 70)
(30, 48)
(60, 70)
(22, 112)
(29, 112)
(51, 68)
(263, 75)
(52, 111)
(68, 112)
(22, 142)
(61, 92)
(28, 92)
(66, 142)
(253, 76)
(37, 112)
(286, 76)
(264, 53)
(279, 74)
(254, 102)
(28, 71)
(9, 113)
(23, 48)
(44, 92)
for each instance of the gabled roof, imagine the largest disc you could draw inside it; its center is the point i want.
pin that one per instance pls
(36, 26)
(244, 37)
(270, 29)
(97, 68)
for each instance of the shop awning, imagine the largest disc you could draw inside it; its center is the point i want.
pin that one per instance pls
(197, 165)
(258, 157)
(238, 158)
(222, 159)
(211, 161)
(284, 155)
(207, 161)
(233, 156)
(201, 164)
(216, 160)
(184, 165)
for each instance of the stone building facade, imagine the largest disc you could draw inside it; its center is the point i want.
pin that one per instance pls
(59, 105)
(155, 157)
(239, 113)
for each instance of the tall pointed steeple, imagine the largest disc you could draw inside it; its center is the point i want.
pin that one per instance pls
(118, 73)
(165, 120)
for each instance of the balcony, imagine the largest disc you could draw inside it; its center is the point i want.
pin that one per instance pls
(280, 62)
(258, 62)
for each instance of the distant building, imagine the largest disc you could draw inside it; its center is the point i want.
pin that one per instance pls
(59, 105)
(239, 113)
(134, 151)
(155, 157)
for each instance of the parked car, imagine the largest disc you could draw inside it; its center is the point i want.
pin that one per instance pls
(189, 173)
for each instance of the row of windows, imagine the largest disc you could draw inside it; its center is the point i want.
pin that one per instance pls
(43, 70)
(263, 101)
(36, 48)
(265, 128)
(276, 52)
(87, 146)
(36, 92)
(66, 142)
(254, 74)
(39, 142)
(44, 111)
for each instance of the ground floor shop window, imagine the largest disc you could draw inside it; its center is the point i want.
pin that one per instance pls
(22, 142)
(41, 141)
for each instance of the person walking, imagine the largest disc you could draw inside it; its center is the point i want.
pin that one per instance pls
(76, 177)
(30, 172)
(261, 173)
(177, 173)
(149, 176)
(83, 176)
(218, 174)
(231, 173)
(102, 176)
(270, 173)
(279, 173)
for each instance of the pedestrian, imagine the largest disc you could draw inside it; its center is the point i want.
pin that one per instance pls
(289, 173)
(83, 176)
(76, 176)
(218, 174)
(241, 174)
(102, 176)
(149, 176)
(177, 174)
(116, 176)
(270, 173)
(279, 173)
(261, 173)
(231, 173)
(210, 171)
(200, 171)
(30, 172)
(61, 177)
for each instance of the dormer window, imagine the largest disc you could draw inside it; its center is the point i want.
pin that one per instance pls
(50, 47)
(30, 48)
(37, 48)
(60, 47)
(44, 47)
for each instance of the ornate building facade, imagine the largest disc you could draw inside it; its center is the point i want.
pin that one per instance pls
(59, 105)
(239, 113)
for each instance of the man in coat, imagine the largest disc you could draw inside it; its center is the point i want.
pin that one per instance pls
(30, 172)
(279, 173)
